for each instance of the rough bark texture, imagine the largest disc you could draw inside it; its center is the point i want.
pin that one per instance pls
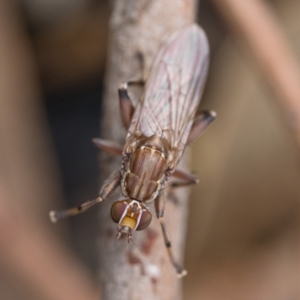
(126, 272)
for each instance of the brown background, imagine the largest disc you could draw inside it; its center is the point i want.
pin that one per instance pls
(243, 230)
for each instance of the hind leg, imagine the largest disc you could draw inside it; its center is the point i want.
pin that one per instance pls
(202, 120)
(126, 106)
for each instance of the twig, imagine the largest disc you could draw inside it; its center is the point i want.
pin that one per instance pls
(137, 30)
(254, 23)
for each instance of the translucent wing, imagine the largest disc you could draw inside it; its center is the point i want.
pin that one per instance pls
(173, 89)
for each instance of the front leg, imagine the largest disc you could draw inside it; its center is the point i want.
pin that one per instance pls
(105, 191)
(160, 210)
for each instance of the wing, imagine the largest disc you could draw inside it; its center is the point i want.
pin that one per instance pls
(173, 89)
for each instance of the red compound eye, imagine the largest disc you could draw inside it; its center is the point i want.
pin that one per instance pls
(145, 220)
(117, 210)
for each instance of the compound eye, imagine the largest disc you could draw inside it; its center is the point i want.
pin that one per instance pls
(117, 210)
(145, 220)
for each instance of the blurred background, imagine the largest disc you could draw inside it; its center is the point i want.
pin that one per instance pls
(243, 230)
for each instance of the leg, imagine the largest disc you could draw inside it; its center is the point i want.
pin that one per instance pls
(160, 209)
(107, 189)
(126, 106)
(108, 146)
(187, 178)
(201, 122)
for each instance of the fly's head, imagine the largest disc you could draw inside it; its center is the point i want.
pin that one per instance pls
(130, 215)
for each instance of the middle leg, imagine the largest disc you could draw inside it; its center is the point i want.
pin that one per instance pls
(185, 178)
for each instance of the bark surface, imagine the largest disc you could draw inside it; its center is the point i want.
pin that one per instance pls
(141, 271)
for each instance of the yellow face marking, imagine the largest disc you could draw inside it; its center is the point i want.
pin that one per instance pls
(130, 222)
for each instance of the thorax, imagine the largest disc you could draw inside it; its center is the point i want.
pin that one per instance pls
(144, 172)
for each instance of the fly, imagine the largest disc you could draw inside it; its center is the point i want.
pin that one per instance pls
(159, 126)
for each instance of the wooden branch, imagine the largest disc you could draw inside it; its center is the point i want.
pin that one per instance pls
(256, 26)
(137, 30)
